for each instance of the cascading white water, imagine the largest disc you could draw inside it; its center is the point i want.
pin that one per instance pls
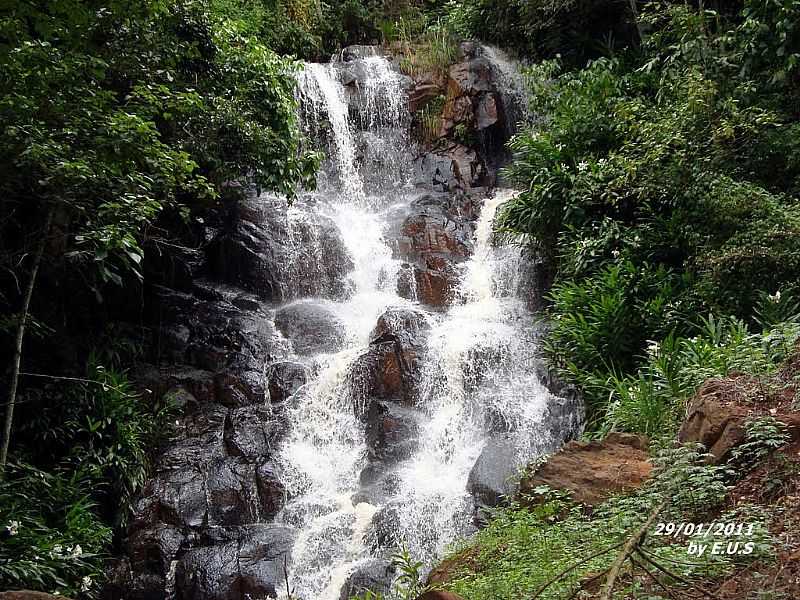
(480, 373)
(511, 85)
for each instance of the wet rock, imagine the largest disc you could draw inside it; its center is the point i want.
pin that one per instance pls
(242, 563)
(237, 387)
(264, 250)
(391, 431)
(175, 497)
(592, 471)
(311, 327)
(373, 575)
(198, 383)
(390, 367)
(487, 112)
(153, 549)
(173, 266)
(383, 532)
(451, 167)
(232, 494)
(402, 322)
(468, 50)
(434, 236)
(271, 492)
(284, 379)
(249, 432)
(470, 77)
(355, 52)
(490, 480)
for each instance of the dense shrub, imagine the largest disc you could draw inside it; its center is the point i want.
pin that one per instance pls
(646, 186)
(573, 29)
(52, 537)
(92, 440)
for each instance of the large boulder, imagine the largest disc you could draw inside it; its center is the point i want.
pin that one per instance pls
(451, 166)
(718, 414)
(491, 478)
(433, 235)
(372, 575)
(389, 369)
(279, 254)
(592, 471)
(312, 327)
(284, 379)
(235, 564)
(391, 431)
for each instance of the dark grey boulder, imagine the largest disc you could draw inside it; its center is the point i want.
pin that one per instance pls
(372, 575)
(235, 564)
(492, 477)
(284, 379)
(264, 251)
(311, 327)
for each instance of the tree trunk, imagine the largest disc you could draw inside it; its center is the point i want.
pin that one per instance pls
(16, 360)
(635, 15)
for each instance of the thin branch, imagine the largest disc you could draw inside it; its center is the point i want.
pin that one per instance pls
(17, 357)
(560, 575)
(670, 593)
(677, 577)
(628, 549)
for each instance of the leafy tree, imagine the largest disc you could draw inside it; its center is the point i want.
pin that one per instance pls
(115, 113)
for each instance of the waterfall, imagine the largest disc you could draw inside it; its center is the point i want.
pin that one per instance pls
(511, 84)
(480, 379)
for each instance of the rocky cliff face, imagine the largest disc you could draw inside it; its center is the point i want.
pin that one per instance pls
(307, 351)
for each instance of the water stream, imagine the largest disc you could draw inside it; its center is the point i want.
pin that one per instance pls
(480, 381)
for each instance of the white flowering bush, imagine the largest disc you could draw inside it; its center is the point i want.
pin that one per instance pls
(51, 538)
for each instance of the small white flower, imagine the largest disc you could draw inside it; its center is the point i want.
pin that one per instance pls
(12, 528)
(77, 551)
(776, 297)
(583, 165)
(615, 253)
(86, 583)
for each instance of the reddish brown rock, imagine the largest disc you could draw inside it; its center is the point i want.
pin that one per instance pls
(451, 567)
(593, 471)
(717, 416)
(427, 86)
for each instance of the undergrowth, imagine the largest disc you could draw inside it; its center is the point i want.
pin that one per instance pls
(551, 549)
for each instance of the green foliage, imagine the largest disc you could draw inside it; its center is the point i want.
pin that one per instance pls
(764, 435)
(157, 107)
(103, 429)
(92, 440)
(522, 549)
(645, 185)
(652, 399)
(576, 29)
(52, 538)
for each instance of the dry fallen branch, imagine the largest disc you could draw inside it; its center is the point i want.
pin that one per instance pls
(627, 550)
